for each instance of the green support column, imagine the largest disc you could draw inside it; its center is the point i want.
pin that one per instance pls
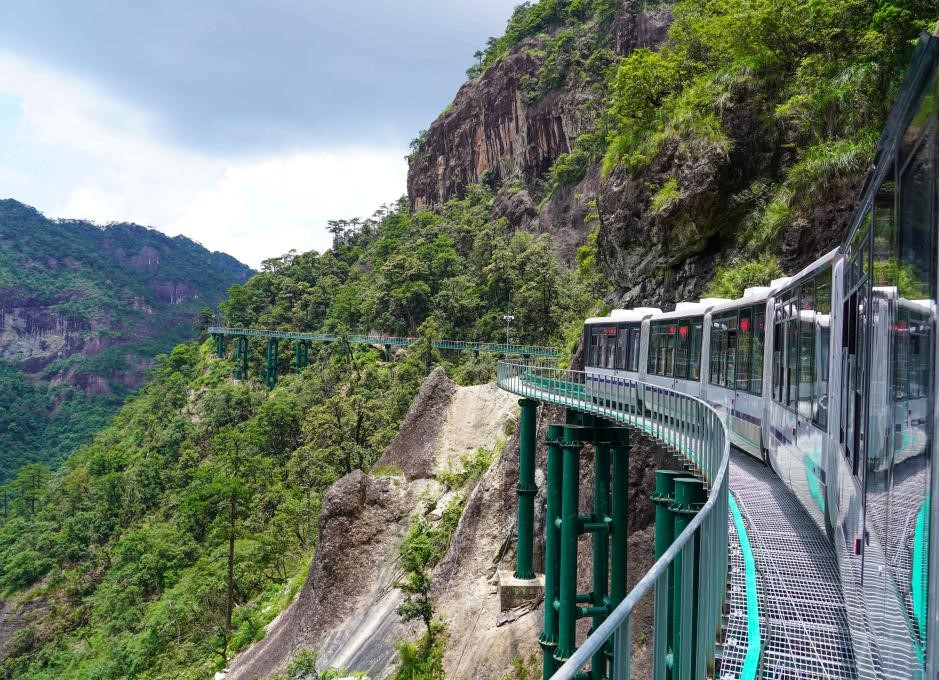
(690, 495)
(526, 489)
(549, 638)
(619, 528)
(241, 357)
(567, 587)
(601, 548)
(301, 355)
(219, 345)
(271, 374)
(388, 353)
(664, 533)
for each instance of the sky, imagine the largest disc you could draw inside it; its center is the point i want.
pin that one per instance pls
(242, 124)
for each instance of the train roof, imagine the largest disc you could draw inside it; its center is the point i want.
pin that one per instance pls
(690, 309)
(751, 296)
(825, 260)
(621, 315)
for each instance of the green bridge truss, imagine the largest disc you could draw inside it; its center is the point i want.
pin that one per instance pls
(688, 580)
(302, 341)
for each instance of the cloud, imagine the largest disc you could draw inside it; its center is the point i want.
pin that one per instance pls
(76, 152)
(276, 205)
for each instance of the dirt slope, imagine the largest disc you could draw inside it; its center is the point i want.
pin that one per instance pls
(346, 609)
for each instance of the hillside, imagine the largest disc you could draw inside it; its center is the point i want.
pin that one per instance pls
(83, 310)
(602, 152)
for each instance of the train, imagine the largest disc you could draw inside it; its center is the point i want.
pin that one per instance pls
(829, 377)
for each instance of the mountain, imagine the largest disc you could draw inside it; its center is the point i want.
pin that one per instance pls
(602, 152)
(83, 310)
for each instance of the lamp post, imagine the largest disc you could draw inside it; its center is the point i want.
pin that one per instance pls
(508, 318)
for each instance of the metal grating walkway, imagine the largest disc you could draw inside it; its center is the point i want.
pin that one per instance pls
(803, 620)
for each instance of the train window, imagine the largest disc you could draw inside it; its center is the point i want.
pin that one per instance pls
(662, 348)
(759, 329)
(822, 345)
(681, 350)
(622, 334)
(694, 356)
(724, 351)
(633, 363)
(806, 348)
(608, 344)
(744, 349)
(593, 338)
(792, 351)
(779, 339)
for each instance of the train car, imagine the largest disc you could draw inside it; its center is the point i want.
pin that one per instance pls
(796, 388)
(733, 372)
(613, 351)
(842, 400)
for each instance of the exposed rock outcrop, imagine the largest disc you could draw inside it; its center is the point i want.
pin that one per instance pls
(495, 130)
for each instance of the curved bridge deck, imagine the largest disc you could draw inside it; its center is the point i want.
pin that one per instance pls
(802, 615)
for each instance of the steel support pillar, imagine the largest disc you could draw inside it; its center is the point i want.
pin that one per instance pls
(601, 549)
(552, 541)
(526, 489)
(567, 591)
(241, 357)
(302, 354)
(664, 535)
(270, 376)
(690, 495)
(619, 527)
(219, 345)
(388, 353)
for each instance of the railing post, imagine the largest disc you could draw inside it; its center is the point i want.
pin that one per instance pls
(526, 489)
(570, 487)
(549, 638)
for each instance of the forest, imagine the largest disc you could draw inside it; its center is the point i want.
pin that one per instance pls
(162, 547)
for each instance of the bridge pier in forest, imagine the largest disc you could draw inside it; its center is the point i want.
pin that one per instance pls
(270, 374)
(219, 345)
(301, 355)
(241, 357)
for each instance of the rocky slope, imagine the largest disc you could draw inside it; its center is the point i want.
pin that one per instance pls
(346, 609)
(84, 308)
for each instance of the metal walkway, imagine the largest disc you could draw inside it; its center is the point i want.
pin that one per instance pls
(803, 619)
(389, 341)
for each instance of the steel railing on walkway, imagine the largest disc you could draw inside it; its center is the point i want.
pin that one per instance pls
(696, 432)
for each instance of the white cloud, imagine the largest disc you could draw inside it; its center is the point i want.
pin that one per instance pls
(79, 152)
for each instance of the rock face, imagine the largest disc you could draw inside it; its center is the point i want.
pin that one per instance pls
(493, 131)
(346, 609)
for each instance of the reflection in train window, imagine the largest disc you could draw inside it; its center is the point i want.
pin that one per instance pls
(759, 329)
(633, 363)
(681, 350)
(823, 342)
(694, 357)
(744, 349)
(622, 334)
(662, 348)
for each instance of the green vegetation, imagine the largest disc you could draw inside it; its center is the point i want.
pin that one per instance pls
(166, 544)
(730, 281)
(132, 291)
(421, 549)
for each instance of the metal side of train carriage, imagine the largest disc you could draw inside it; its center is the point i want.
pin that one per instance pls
(829, 378)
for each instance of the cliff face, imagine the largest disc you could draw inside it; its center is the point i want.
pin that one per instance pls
(501, 127)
